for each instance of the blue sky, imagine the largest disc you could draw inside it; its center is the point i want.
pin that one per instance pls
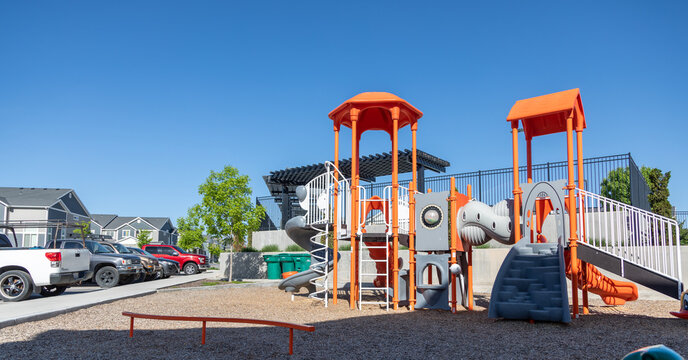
(133, 103)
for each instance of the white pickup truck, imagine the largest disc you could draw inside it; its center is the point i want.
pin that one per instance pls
(47, 271)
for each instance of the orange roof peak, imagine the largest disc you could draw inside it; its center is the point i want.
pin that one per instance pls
(375, 111)
(547, 114)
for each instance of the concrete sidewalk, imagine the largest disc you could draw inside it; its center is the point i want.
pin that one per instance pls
(38, 307)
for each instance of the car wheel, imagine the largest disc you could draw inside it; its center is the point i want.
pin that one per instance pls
(159, 275)
(52, 290)
(190, 268)
(107, 277)
(15, 285)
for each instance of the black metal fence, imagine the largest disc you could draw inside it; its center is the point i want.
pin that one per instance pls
(274, 216)
(492, 186)
(682, 218)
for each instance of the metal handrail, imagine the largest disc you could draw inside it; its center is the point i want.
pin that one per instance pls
(635, 235)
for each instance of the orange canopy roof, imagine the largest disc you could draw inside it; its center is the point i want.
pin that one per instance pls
(547, 114)
(375, 112)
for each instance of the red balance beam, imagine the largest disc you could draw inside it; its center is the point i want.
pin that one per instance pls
(203, 319)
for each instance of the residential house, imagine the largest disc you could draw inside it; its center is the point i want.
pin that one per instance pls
(37, 206)
(124, 229)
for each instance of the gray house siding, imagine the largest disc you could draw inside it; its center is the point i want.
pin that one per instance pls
(2, 212)
(73, 205)
(56, 215)
(121, 235)
(142, 226)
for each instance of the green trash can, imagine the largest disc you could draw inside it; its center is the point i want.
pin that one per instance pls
(274, 268)
(287, 262)
(302, 262)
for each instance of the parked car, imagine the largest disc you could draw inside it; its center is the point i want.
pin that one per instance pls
(151, 265)
(169, 267)
(48, 271)
(107, 266)
(190, 263)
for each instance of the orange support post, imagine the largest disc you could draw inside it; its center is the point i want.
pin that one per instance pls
(395, 207)
(572, 215)
(412, 219)
(453, 210)
(517, 187)
(469, 272)
(581, 185)
(335, 241)
(529, 154)
(203, 334)
(354, 207)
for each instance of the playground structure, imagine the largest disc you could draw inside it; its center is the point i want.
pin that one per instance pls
(584, 229)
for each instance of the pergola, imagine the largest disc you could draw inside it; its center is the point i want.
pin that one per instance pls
(282, 183)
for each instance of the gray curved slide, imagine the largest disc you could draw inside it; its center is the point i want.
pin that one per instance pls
(301, 234)
(479, 223)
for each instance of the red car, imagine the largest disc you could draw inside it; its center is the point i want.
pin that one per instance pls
(190, 263)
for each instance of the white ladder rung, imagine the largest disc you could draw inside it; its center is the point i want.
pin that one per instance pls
(363, 274)
(373, 247)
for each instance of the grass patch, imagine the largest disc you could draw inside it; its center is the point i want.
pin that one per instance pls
(402, 247)
(346, 247)
(483, 246)
(214, 268)
(294, 247)
(210, 283)
(270, 248)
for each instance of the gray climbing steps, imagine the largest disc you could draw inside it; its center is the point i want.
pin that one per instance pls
(531, 285)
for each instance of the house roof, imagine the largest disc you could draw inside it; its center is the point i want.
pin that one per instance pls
(103, 219)
(41, 197)
(113, 222)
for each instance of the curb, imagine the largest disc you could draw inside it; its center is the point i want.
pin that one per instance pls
(220, 287)
(49, 314)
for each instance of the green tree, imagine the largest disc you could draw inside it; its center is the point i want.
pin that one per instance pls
(83, 229)
(214, 250)
(227, 210)
(617, 185)
(143, 238)
(191, 230)
(658, 182)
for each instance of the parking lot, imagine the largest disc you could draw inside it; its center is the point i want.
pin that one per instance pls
(78, 297)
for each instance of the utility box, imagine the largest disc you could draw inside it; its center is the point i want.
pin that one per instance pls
(432, 219)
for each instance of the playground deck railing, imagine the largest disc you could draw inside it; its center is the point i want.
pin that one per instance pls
(635, 235)
(205, 320)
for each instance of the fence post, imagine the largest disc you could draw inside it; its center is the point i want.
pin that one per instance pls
(480, 185)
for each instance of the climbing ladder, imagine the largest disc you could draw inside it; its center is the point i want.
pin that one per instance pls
(371, 277)
(633, 243)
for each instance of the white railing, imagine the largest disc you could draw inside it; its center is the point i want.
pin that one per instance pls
(635, 235)
(403, 208)
(319, 202)
(320, 256)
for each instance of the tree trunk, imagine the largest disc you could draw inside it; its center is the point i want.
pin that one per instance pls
(231, 263)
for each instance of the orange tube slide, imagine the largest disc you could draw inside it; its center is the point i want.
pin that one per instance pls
(612, 292)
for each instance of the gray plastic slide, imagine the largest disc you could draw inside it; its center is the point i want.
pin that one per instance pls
(301, 234)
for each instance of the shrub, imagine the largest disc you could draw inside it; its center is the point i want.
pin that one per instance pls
(346, 247)
(249, 249)
(270, 248)
(294, 247)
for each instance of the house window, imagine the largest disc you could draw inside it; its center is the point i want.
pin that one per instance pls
(30, 237)
(126, 233)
